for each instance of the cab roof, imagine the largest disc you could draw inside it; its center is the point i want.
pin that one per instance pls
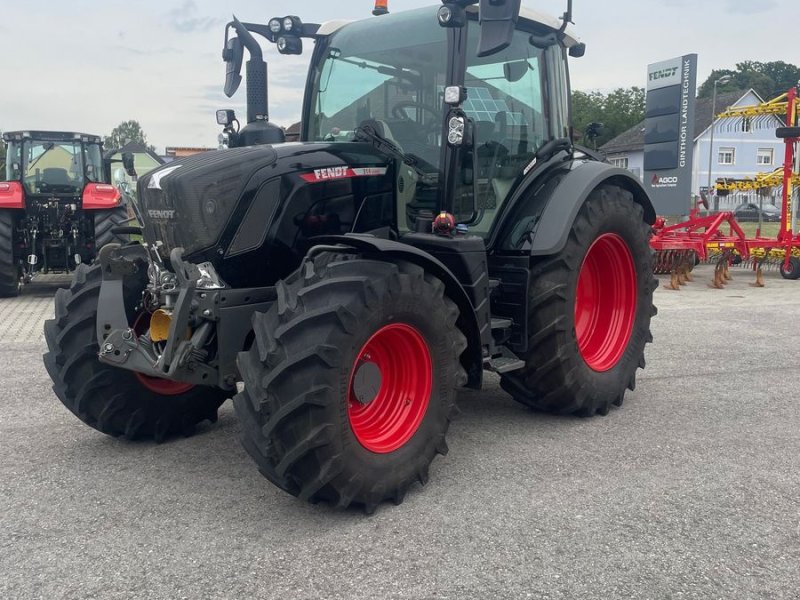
(51, 136)
(527, 14)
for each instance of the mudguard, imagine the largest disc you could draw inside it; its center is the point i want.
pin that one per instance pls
(472, 359)
(551, 208)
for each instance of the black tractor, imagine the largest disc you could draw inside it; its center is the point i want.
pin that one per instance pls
(57, 207)
(435, 222)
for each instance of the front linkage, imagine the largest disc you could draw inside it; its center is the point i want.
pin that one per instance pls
(195, 326)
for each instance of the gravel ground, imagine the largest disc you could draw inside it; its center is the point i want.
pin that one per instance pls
(688, 491)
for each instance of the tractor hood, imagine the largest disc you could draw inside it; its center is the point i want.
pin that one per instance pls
(231, 206)
(186, 203)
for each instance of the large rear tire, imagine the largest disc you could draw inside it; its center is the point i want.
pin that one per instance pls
(10, 276)
(105, 221)
(589, 312)
(350, 384)
(115, 401)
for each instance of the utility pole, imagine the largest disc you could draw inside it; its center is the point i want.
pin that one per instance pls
(722, 80)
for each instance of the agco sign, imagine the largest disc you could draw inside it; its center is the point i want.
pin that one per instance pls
(668, 139)
(663, 182)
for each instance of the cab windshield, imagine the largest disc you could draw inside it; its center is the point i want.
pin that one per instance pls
(52, 167)
(390, 70)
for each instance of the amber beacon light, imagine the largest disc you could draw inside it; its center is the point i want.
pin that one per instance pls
(381, 8)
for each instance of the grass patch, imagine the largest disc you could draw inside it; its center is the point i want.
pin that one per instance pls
(768, 230)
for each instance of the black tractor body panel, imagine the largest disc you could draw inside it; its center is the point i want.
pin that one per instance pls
(252, 211)
(539, 216)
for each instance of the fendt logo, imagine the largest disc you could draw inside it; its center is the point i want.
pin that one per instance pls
(331, 173)
(664, 182)
(663, 73)
(161, 214)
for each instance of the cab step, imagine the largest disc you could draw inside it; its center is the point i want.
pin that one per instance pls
(505, 362)
(501, 323)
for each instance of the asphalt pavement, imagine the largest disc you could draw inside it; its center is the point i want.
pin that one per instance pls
(690, 490)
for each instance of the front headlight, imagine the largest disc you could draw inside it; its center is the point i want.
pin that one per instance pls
(209, 278)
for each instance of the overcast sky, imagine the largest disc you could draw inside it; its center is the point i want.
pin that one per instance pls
(89, 64)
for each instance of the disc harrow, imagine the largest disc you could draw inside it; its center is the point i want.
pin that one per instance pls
(666, 261)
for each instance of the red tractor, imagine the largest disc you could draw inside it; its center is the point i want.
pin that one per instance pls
(57, 207)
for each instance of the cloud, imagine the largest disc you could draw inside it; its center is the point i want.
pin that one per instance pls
(748, 7)
(742, 7)
(149, 51)
(185, 19)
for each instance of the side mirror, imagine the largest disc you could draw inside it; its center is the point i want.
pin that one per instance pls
(498, 20)
(127, 163)
(233, 55)
(119, 176)
(514, 71)
(578, 50)
(786, 133)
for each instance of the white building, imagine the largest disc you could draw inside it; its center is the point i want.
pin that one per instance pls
(740, 150)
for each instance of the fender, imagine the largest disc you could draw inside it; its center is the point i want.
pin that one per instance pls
(472, 359)
(550, 209)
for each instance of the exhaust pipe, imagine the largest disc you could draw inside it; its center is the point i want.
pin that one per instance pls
(258, 130)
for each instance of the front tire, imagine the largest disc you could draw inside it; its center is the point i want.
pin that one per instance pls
(115, 401)
(10, 276)
(590, 307)
(351, 382)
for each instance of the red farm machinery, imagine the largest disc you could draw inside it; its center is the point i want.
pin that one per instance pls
(719, 237)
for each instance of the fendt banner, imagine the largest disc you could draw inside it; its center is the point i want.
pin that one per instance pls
(669, 133)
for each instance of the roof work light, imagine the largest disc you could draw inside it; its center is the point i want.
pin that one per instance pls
(286, 33)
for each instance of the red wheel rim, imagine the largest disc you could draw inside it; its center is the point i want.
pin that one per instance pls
(605, 303)
(390, 417)
(164, 387)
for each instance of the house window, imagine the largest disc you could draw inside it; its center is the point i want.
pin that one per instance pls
(620, 162)
(747, 125)
(727, 156)
(765, 156)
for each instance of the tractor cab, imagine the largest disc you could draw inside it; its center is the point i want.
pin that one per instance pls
(461, 106)
(390, 75)
(54, 164)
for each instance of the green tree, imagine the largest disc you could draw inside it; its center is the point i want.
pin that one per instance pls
(618, 111)
(769, 80)
(124, 133)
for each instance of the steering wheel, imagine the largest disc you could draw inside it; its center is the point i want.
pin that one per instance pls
(399, 110)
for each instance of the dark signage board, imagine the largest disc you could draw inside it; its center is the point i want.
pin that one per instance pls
(669, 133)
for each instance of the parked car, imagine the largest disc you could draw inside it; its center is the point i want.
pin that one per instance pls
(748, 212)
